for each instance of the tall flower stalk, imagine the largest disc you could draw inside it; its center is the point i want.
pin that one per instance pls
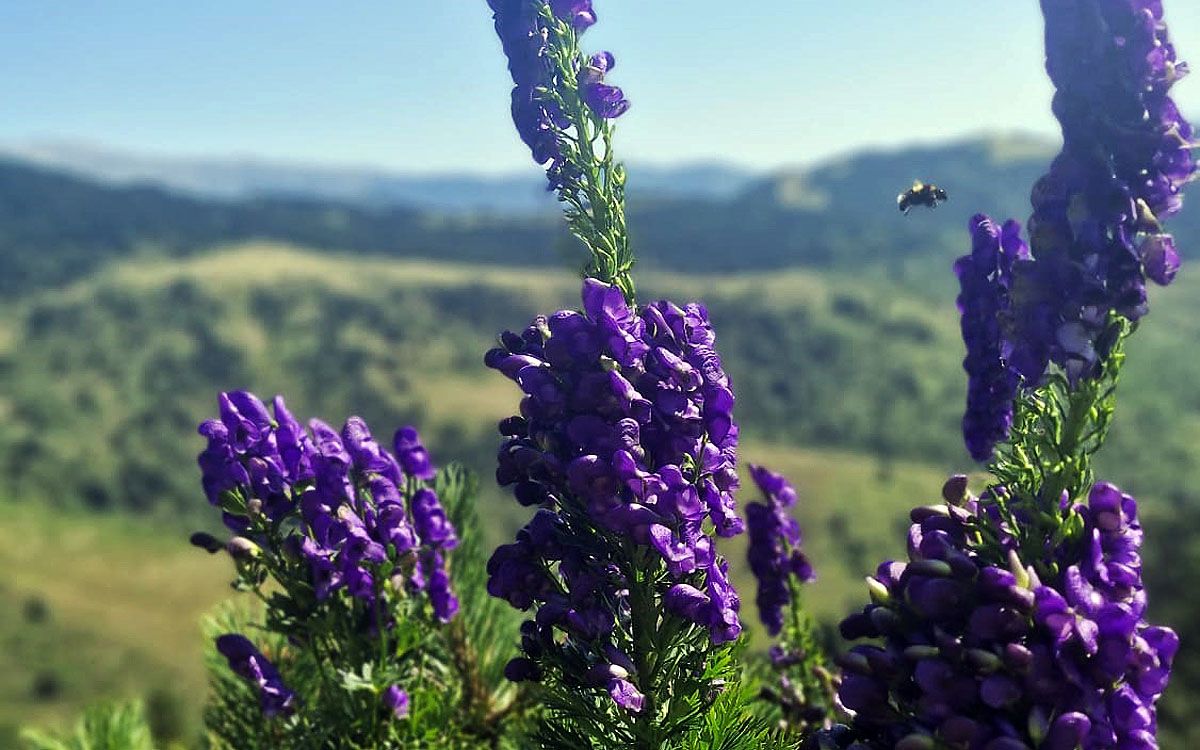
(564, 108)
(626, 447)
(804, 690)
(1018, 619)
(1059, 307)
(625, 444)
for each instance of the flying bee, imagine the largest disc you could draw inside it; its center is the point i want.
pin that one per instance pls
(920, 194)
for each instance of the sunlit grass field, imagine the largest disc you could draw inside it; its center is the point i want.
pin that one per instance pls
(99, 607)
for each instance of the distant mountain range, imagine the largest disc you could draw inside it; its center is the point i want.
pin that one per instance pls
(839, 216)
(244, 178)
(59, 222)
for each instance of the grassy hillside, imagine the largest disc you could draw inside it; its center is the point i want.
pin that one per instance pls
(97, 607)
(102, 384)
(56, 228)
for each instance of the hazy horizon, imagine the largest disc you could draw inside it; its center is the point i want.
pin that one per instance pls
(50, 150)
(307, 83)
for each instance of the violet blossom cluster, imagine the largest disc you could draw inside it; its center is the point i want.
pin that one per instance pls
(985, 277)
(538, 116)
(626, 443)
(1096, 227)
(979, 653)
(364, 516)
(1096, 233)
(246, 661)
(774, 550)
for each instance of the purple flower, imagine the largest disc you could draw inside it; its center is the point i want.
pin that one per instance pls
(248, 663)
(430, 520)
(527, 39)
(986, 277)
(1159, 258)
(606, 101)
(361, 515)
(441, 596)
(411, 452)
(626, 433)
(522, 669)
(578, 12)
(395, 699)
(774, 549)
(980, 650)
(626, 695)
(1096, 232)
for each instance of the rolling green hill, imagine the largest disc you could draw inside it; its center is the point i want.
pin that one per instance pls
(102, 383)
(841, 215)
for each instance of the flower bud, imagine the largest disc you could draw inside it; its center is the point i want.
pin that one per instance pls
(879, 592)
(916, 741)
(884, 620)
(853, 661)
(1018, 569)
(206, 542)
(984, 661)
(931, 568)
(917, 653)
(954, 491)
(242, 549)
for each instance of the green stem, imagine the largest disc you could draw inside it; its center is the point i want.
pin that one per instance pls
(596, 196)
(643, 625)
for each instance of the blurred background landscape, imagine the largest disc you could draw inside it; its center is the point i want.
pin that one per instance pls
(183, 210)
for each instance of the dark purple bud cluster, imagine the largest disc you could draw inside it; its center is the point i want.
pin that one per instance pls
(539, 118)
(365, 517)
(626, 443)
(977, 653)
(1096, 229)
(774, 550)
(247, 662)
(985, 277)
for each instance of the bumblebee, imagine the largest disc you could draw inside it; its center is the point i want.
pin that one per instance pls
(920, 194)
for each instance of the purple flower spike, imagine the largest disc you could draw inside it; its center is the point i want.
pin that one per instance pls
(527, 37)
(626, 443)
(774, 550)
(986, 278)
(1096, 233)
(349, 497)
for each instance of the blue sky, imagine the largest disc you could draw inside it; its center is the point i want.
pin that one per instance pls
(419, 85)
